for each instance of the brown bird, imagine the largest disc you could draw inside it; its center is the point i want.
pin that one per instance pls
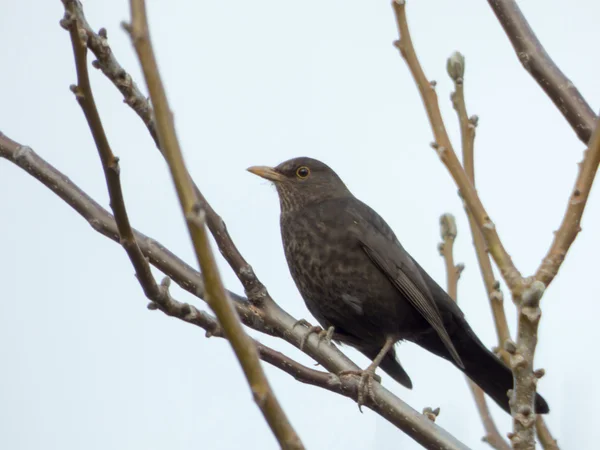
(354, 276)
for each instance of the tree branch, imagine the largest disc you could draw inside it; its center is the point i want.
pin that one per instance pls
(443, 146)
(217, 297)
(526, 292)
(98, 44)
(570, 226)
(540, 66)
(448, 232)
(273, 321)
(110, 165)
(544, 436)
(521, 362)
(456, 70)
(108, 64)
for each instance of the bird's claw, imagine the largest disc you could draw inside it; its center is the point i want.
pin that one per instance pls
(365, 385)
(311, 330)
(323, 335)
(302, 322)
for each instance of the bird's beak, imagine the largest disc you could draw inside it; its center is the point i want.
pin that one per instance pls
(266, 172)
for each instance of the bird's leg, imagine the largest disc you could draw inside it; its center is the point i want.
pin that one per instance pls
(324, 335)
(365, 386)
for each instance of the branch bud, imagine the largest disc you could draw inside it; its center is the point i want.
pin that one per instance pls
(447, 226)
(456, 67)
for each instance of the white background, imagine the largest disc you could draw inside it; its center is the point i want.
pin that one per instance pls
(86, 365)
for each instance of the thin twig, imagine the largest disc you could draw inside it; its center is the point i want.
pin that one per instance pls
(110, 164)
(456, 70)
(544, 435)
(538, 63)
(275, 321)
(529, 312)
(218, 299)
(570, 226)
(443, 146)
(526, 293)
(448, 232)
(108, 64)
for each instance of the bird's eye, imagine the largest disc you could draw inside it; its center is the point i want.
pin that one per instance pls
(302, 172)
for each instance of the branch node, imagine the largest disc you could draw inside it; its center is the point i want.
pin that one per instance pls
(531, 296)
(126, 26)
(197, 216)
(75, 89)
(539, 373)
(532, 314)
(496, 296)
(430, 413)
(166, 282)
(67, 20)
(510, 347)
(517, 360)
(525, 410)
(459, 269)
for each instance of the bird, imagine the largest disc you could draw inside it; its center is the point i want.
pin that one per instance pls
(361, 285)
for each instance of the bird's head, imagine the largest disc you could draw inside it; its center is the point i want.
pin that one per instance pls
(301, 182)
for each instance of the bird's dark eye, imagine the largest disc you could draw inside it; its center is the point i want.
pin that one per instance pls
(302, 172)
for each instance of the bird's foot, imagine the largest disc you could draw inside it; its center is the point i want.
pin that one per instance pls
(365, 385)
(323, 335)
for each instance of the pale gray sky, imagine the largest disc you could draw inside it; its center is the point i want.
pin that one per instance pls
(86, 365)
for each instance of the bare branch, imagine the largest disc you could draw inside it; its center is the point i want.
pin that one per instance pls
(570, 226)
(98, 44)
(443, 146)
(217, 297)
(521, 363)
(448, 232)
(467, 131)
(110, 164)
(544, 436)
(274, 321)
(538, 63)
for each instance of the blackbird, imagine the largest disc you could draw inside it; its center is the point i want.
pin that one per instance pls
(354, 276)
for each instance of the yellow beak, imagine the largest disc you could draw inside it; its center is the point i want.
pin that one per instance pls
(266, 172)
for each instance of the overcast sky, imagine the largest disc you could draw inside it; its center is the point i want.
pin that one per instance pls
(86, 366)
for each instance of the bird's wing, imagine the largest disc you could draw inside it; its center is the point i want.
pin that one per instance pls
(389, 256)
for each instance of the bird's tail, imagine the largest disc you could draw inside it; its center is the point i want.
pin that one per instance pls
(481, 366)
